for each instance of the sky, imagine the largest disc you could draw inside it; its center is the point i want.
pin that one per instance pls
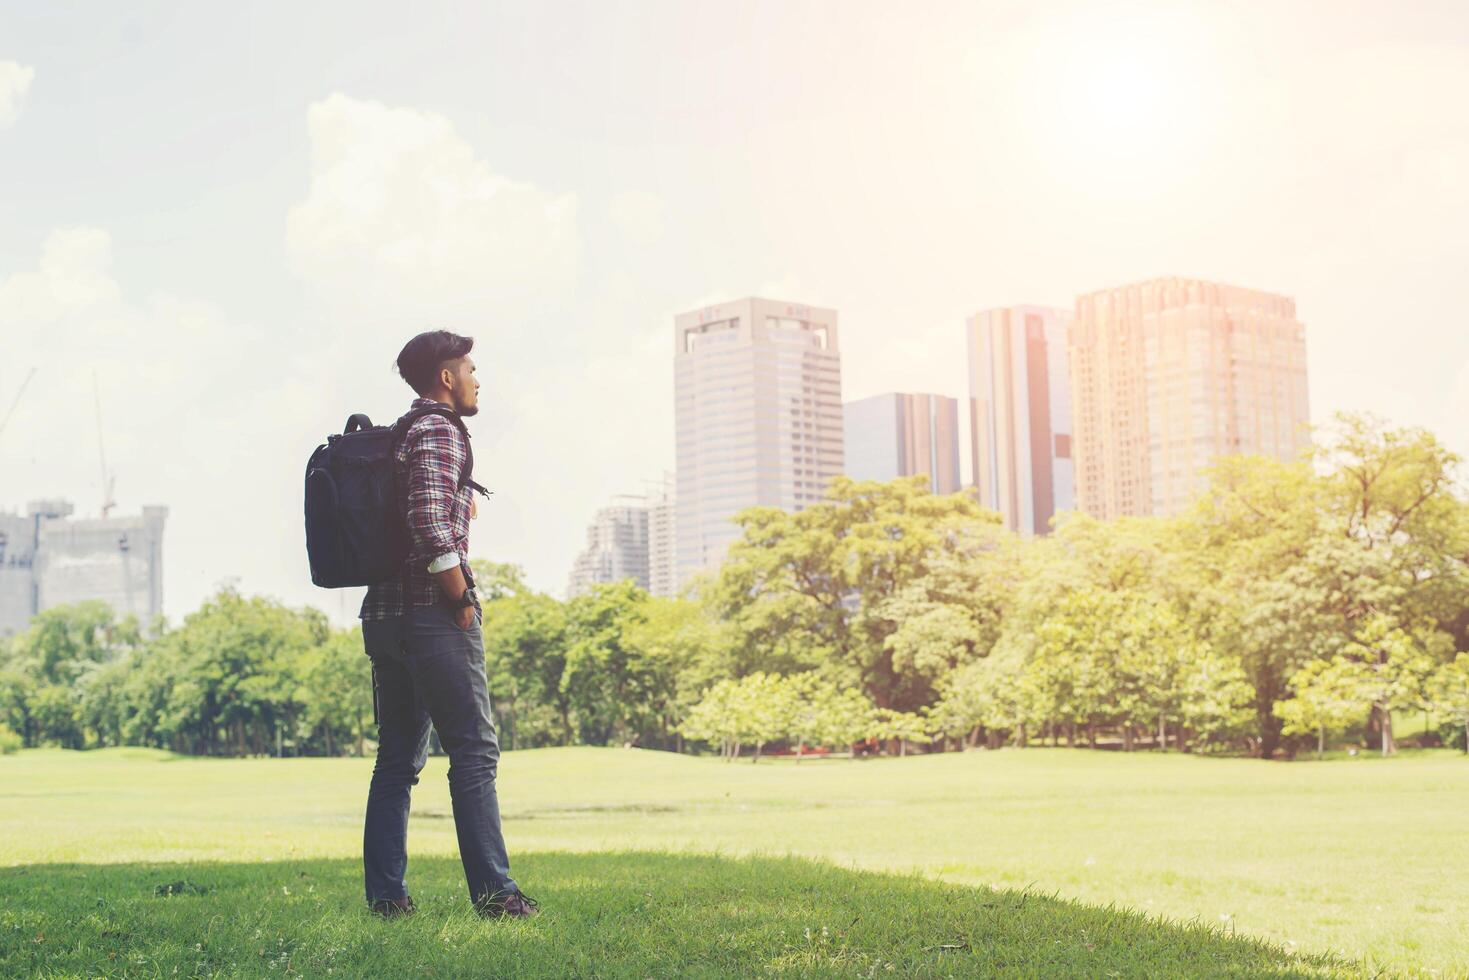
(219, 223)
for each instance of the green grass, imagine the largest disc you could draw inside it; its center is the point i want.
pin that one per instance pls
(1034, 862)
(607, 915)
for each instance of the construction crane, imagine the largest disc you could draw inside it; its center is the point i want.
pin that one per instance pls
(14, 403)
(108, 480)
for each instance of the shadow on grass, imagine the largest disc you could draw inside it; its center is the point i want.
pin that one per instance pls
(605, 914)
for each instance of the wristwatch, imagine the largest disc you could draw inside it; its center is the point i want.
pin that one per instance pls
(469, 598)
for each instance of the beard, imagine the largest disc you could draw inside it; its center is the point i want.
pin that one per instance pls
(471, 410)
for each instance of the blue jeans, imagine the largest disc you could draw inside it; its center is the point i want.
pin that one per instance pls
(426, 669)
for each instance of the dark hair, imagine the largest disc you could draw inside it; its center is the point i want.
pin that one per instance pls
(420, 359)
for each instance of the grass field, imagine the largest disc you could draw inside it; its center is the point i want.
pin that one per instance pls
(1021, 862)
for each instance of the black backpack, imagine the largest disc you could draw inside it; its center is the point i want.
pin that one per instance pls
(355, 533)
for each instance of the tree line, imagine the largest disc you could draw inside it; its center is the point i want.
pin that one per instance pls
(1294, 601)
(240, 676)
(1293, 604)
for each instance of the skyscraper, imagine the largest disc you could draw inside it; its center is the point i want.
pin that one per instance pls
(893, 435)
(662, 539)
(1020, 415)
(758, 414)
(617, 547)
(1169, 374)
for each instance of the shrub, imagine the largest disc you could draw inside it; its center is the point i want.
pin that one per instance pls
(9, 741)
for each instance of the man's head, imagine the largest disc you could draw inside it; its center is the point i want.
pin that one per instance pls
(436, 364)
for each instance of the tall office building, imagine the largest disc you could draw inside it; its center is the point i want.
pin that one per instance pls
(1169, 374)
(47, 559)
(893, 435)
(662, 539)
(1020, 415)
(617, 547)
(758, 412)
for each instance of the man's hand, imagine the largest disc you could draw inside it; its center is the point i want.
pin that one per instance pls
(453, 584)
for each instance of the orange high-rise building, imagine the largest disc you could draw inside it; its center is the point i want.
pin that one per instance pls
(1168, 375)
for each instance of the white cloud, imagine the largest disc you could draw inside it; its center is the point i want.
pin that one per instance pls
(15, 81)
(639, 215)
(73, 276)
(401, 210)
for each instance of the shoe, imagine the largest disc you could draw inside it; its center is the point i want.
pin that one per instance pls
(392, 908)
(514, 905)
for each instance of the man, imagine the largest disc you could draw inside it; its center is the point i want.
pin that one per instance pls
(422, 631)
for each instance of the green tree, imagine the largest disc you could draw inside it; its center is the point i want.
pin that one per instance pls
(1328, 696)
(494, 580)
(1387, 668)
(993, 696)
(766, 705)
(17, 691)
(336, 692)
(525, 637)
(619, 690)
(806, 692)
(232, 671)
(962, 708)
(1216, 700)
(817, 712)
(1293, 561)
(821, 587)
(761, 708)
(953, 614)
(62, 642)
(42, 677)
(677, 639)
(844, 716)
(154, 715)
(901, 727)
(716, 719)
(1113, 658)
(54, 710)
(1448, 690)
(102, 703)
(10, 742)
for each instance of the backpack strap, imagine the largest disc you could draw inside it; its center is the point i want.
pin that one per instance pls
(400, 432)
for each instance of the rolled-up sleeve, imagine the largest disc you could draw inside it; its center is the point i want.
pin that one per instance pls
(434, 461)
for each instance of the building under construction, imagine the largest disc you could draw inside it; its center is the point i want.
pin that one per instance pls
(47, 559)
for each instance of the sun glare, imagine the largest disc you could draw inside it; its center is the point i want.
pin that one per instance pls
(1114, 112)
(1124, 98)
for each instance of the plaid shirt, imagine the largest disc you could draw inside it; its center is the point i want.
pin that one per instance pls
(430, 461)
